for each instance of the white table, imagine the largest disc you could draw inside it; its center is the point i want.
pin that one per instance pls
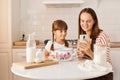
(61, 71)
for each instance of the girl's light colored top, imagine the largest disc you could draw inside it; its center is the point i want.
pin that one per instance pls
(57, 46)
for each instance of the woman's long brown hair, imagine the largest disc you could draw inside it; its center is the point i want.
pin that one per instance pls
(58, 25)
(95, 29)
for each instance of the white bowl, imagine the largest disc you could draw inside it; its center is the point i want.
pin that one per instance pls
(65, 54)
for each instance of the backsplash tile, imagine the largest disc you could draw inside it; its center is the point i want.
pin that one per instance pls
(108, 18)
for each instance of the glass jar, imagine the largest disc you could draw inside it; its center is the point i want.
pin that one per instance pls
(100, 54)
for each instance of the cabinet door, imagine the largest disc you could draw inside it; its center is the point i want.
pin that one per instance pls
(5, 39)
(5, 27)
(19, 55)
(4, 71)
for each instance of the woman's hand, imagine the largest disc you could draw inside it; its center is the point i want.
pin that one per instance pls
(84, 48)
(80, 53)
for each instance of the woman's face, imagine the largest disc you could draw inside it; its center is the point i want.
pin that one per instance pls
(86, 22)
(60, 34)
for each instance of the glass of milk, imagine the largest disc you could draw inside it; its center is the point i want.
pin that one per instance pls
(100, 54)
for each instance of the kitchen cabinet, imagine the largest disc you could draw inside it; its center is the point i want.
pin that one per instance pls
(4, 63)
(115, 57)
(18, 56)
(5, 40)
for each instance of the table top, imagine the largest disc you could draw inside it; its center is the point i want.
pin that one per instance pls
(68, 70)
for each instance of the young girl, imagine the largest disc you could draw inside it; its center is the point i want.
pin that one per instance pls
(59, 32)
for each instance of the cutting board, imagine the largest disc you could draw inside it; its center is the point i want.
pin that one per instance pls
(25, 65)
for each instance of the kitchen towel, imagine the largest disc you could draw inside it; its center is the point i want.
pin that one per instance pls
(89, 65)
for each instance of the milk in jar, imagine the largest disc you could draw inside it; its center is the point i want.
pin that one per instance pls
(30, 49)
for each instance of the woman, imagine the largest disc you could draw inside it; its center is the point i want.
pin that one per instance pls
(88, 24)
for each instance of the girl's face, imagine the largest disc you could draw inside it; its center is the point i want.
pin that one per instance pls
(60, 34)
(87, 22)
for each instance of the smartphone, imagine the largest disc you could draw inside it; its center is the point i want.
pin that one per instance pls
(83, 37)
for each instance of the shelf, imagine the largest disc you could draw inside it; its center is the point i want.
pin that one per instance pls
(63, 3)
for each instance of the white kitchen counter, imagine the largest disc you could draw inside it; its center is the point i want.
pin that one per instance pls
(113, 45)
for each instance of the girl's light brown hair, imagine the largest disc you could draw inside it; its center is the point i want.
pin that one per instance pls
(58, 25)
(95, 29)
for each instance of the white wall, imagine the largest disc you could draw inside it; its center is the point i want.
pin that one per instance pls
(107, 10)
(15, 19)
